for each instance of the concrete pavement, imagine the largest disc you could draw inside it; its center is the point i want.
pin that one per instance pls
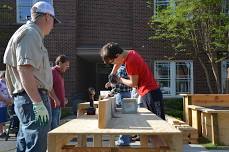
(8, 146)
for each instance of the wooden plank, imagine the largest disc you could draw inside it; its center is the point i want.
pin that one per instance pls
(175, 142)
(210, 109)
(196, 121)
(210, 99)
(144, 140)
(112, 141)
(215, 129)
(187, 100)
(107, 149)
(82, 140)
(189, 117)
(97, 141)
(159, 142)
(56, 142)
(105, 111)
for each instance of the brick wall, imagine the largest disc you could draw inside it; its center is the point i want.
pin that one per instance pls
(90, 23)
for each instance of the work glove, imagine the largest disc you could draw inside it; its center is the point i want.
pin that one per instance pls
(113, 78)
(41, 113)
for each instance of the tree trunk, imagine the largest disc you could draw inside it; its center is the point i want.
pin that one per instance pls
(206, 74)
(215, 71)
(197, 50)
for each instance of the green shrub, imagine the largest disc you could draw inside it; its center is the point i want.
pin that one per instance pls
(174, 107)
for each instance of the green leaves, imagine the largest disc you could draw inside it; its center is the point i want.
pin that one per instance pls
(195, 22)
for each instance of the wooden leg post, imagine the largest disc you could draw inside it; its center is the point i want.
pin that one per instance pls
(215, 129)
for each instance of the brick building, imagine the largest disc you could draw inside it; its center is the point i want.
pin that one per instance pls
(87, 25)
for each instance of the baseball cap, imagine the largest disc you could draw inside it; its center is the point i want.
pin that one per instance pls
(43, 8)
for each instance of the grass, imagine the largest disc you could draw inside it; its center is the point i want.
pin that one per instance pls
(208, 145)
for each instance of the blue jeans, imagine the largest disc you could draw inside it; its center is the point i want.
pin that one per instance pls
(153, 101)
(120, 96)
(123, 139)
(31, 136)
(56, 113)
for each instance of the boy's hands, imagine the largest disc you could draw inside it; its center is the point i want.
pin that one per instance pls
(113, 78)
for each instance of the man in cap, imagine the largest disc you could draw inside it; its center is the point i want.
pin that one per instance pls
(29, 78)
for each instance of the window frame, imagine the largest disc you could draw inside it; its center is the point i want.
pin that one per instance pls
(225, 7)
(173, 76)
(224, 65)
(158, 3)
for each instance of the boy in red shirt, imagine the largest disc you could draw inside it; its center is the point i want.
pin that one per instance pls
(140, 76)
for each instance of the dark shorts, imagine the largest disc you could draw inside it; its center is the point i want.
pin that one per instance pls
(3, 114)
(153, 101)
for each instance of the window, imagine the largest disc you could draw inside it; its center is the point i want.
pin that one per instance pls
(225, 6)
(23, 9)
(224, 67)
(174, 77)
(159, 5)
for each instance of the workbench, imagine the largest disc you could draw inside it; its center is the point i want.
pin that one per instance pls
(205, 100)
(143, 123)
(211, 122)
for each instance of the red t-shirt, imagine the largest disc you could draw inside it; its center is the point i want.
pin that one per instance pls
(58, 86)
(135, 65)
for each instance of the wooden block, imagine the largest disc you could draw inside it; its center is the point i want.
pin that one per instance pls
(97, 141)
(159, 143)
(144, 140)
(56, 142)
(105, 112)
(82, 140)
(215, 129)
(112, 140)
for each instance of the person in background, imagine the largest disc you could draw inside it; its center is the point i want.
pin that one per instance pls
(140, 75)
(57, 94)
(91, 98)
(29, 78)
(5, 100)
(118, 89)
(134, 94)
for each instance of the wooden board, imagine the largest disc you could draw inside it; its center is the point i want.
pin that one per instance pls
(106, 112)
(190, 134)
(218, 124)
(203, 100)
(210, 109)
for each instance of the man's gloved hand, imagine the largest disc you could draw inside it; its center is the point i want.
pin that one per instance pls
(113, 78)
(41, 113)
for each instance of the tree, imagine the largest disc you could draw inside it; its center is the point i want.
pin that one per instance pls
(198, 28)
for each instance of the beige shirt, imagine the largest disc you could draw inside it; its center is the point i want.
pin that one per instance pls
(26, 47)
